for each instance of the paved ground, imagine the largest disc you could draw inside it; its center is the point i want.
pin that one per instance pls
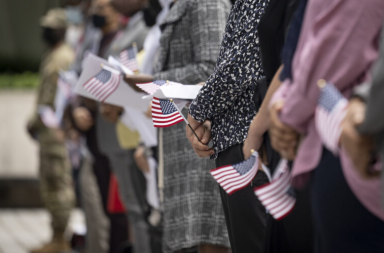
(22, 230)
(18, 153)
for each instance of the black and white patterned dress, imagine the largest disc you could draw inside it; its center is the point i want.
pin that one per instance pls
(189, 46)
(227, 97)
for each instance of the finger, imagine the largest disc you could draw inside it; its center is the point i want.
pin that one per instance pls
(276, 146)
(199, 132)
(207, 153)
(278, 106)
(281, 127)
(196, 144)
(282, 136)
(291, 154)
(283, 142)
(373, 174)
(358, 118)
(206, 136)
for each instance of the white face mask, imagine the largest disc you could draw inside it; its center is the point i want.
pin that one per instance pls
(74, 15)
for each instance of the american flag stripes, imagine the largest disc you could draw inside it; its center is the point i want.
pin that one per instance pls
(237, 176)
(64, 86)
(165, 113)
(103, 84)
(152, 87)
(278, 196)
(128, 58)
(330, 112)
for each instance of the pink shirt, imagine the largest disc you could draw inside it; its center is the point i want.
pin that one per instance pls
(338, 43)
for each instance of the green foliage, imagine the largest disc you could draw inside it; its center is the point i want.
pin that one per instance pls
(18, 81)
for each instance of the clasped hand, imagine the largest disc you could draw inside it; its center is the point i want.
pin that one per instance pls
(284, 139)
(203, 131)
(360, 148)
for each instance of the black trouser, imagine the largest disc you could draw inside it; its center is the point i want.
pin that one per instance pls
(118, 231)
(294, 233)
(245, 216)
(342, 223)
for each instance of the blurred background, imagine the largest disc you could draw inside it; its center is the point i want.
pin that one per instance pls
(21, 45)
(24, 224)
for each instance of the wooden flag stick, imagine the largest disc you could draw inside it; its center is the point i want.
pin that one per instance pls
(193, 131)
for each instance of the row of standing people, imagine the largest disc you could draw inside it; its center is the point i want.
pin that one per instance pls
(250, 55)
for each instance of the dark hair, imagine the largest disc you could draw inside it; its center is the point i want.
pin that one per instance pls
(151, 12)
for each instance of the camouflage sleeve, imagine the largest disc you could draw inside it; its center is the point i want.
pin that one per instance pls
(46, 96)
(47, 92)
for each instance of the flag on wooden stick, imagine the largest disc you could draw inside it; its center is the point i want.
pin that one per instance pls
(278, 196)
(237, 176)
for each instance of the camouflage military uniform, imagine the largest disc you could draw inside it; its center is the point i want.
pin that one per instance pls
(55, 171)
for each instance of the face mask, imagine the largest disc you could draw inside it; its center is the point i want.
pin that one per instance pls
(98, 21)
(74, 15)
(50, 36)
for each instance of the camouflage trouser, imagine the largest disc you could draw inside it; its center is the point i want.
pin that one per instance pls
(57, 189)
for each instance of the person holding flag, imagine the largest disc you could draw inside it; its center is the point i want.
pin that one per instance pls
(193, 216)
(225, 108)
(339, 48)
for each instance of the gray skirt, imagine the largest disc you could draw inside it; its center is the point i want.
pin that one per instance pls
(193, 213)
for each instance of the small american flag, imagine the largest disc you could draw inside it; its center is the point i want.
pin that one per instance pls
(165, 113)
(237, 176)
(48, 117)
(128, 58)
(278, 196)
(330, 112)
(152, 87)
(103, 84)
(64, 86)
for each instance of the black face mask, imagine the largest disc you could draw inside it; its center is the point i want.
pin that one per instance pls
(98, 21)
(50, 36)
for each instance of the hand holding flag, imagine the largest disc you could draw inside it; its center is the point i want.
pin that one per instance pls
(195, 130)
(165, 113)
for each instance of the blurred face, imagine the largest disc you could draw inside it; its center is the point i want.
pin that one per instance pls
(52, 36)
(104, 14)
(129, 7)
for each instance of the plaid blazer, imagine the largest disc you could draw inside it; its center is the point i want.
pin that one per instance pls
(190, 41)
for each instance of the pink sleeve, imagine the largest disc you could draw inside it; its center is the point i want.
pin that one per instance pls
(338, 44)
